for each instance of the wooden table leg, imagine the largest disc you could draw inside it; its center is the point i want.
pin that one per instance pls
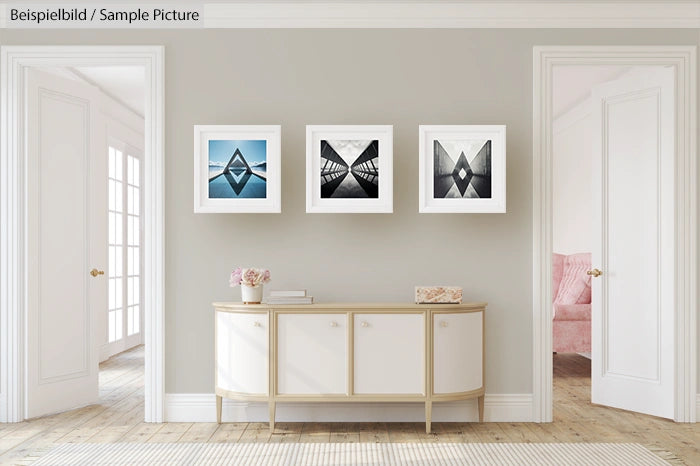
(218, 409)
(271, 405)
(428, 415)
(481, 408)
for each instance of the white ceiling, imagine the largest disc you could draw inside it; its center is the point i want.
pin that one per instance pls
(572, 84)
(124, 83)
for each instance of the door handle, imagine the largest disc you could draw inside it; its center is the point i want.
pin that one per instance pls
(95, 272)
(595, 273)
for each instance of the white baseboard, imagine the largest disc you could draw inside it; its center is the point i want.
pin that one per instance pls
(201, 407)
(697, 408)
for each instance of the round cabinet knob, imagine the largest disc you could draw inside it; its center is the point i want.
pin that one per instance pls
(257, 324)
(334, 324)
(364, 324)
(443, 323)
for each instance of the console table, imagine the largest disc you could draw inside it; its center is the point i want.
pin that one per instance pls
(349, 352)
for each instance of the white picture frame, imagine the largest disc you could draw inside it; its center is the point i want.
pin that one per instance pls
(250, 178)
(447, 181)
(349, 169)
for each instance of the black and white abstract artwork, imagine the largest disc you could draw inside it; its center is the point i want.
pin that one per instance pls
(462, 169)
(349, 169)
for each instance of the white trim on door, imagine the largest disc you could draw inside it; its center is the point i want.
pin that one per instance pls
(683, 58)
(13, 245)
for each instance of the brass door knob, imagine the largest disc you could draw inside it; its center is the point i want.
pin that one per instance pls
(95, 272)
(595, 273)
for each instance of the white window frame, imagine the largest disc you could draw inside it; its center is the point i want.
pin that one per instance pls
(126, 341)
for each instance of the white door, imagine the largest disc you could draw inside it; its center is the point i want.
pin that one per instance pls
(67, 228)
(312, 354)
(633, 244)
(389, 354)
(458, 352)
(242, 352)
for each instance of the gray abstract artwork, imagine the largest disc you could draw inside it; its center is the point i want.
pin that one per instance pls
(350, 169)
(462, 169)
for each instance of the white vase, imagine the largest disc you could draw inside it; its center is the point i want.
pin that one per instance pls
(251, 294)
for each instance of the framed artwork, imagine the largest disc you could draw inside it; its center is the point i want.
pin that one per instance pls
(349, 169)
(237, 169)
(462, 168)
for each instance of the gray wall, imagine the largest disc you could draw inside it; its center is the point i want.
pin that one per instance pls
(399, 77)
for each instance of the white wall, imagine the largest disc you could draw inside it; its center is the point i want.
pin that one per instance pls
(295, 77)
(572, 180)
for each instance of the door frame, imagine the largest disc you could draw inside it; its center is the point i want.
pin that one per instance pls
(683, 58)
(14, 61)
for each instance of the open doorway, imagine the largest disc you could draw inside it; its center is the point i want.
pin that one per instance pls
(676, 253)
(614, 152)
(85, 145)
(116, 201)
(572, 227)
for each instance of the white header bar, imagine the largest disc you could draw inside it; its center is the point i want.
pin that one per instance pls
(103, 16)
(358, 14)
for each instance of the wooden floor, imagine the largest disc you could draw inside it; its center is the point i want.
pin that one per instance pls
(119, 418)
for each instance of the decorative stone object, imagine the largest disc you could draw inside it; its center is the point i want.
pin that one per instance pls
(438, 294)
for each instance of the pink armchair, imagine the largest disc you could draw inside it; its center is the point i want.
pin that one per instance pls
(571, 294)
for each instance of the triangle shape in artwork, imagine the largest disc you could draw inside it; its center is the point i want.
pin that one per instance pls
(462, 173)
(238, 164)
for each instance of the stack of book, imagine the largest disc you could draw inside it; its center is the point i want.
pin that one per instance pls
(289, 297)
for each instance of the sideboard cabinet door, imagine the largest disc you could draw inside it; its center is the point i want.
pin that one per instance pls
(311, 354)
(457, 352)
(389, 354)
(242, 352)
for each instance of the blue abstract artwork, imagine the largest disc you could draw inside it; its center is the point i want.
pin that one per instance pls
(237, 169)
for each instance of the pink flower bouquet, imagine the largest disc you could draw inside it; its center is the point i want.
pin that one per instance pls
(249, 277)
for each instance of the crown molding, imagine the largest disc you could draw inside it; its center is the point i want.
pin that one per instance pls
(461, 14)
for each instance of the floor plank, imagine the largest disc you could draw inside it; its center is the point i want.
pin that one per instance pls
(199, 432)
(315, 432)
(256, 432)
(286, 432)
(229, 432)
(345, 432)
(374, 432)
(404, 432)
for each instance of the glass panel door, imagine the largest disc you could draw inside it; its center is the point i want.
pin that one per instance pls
(124, 307)
(116, 245)
(133, 246)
